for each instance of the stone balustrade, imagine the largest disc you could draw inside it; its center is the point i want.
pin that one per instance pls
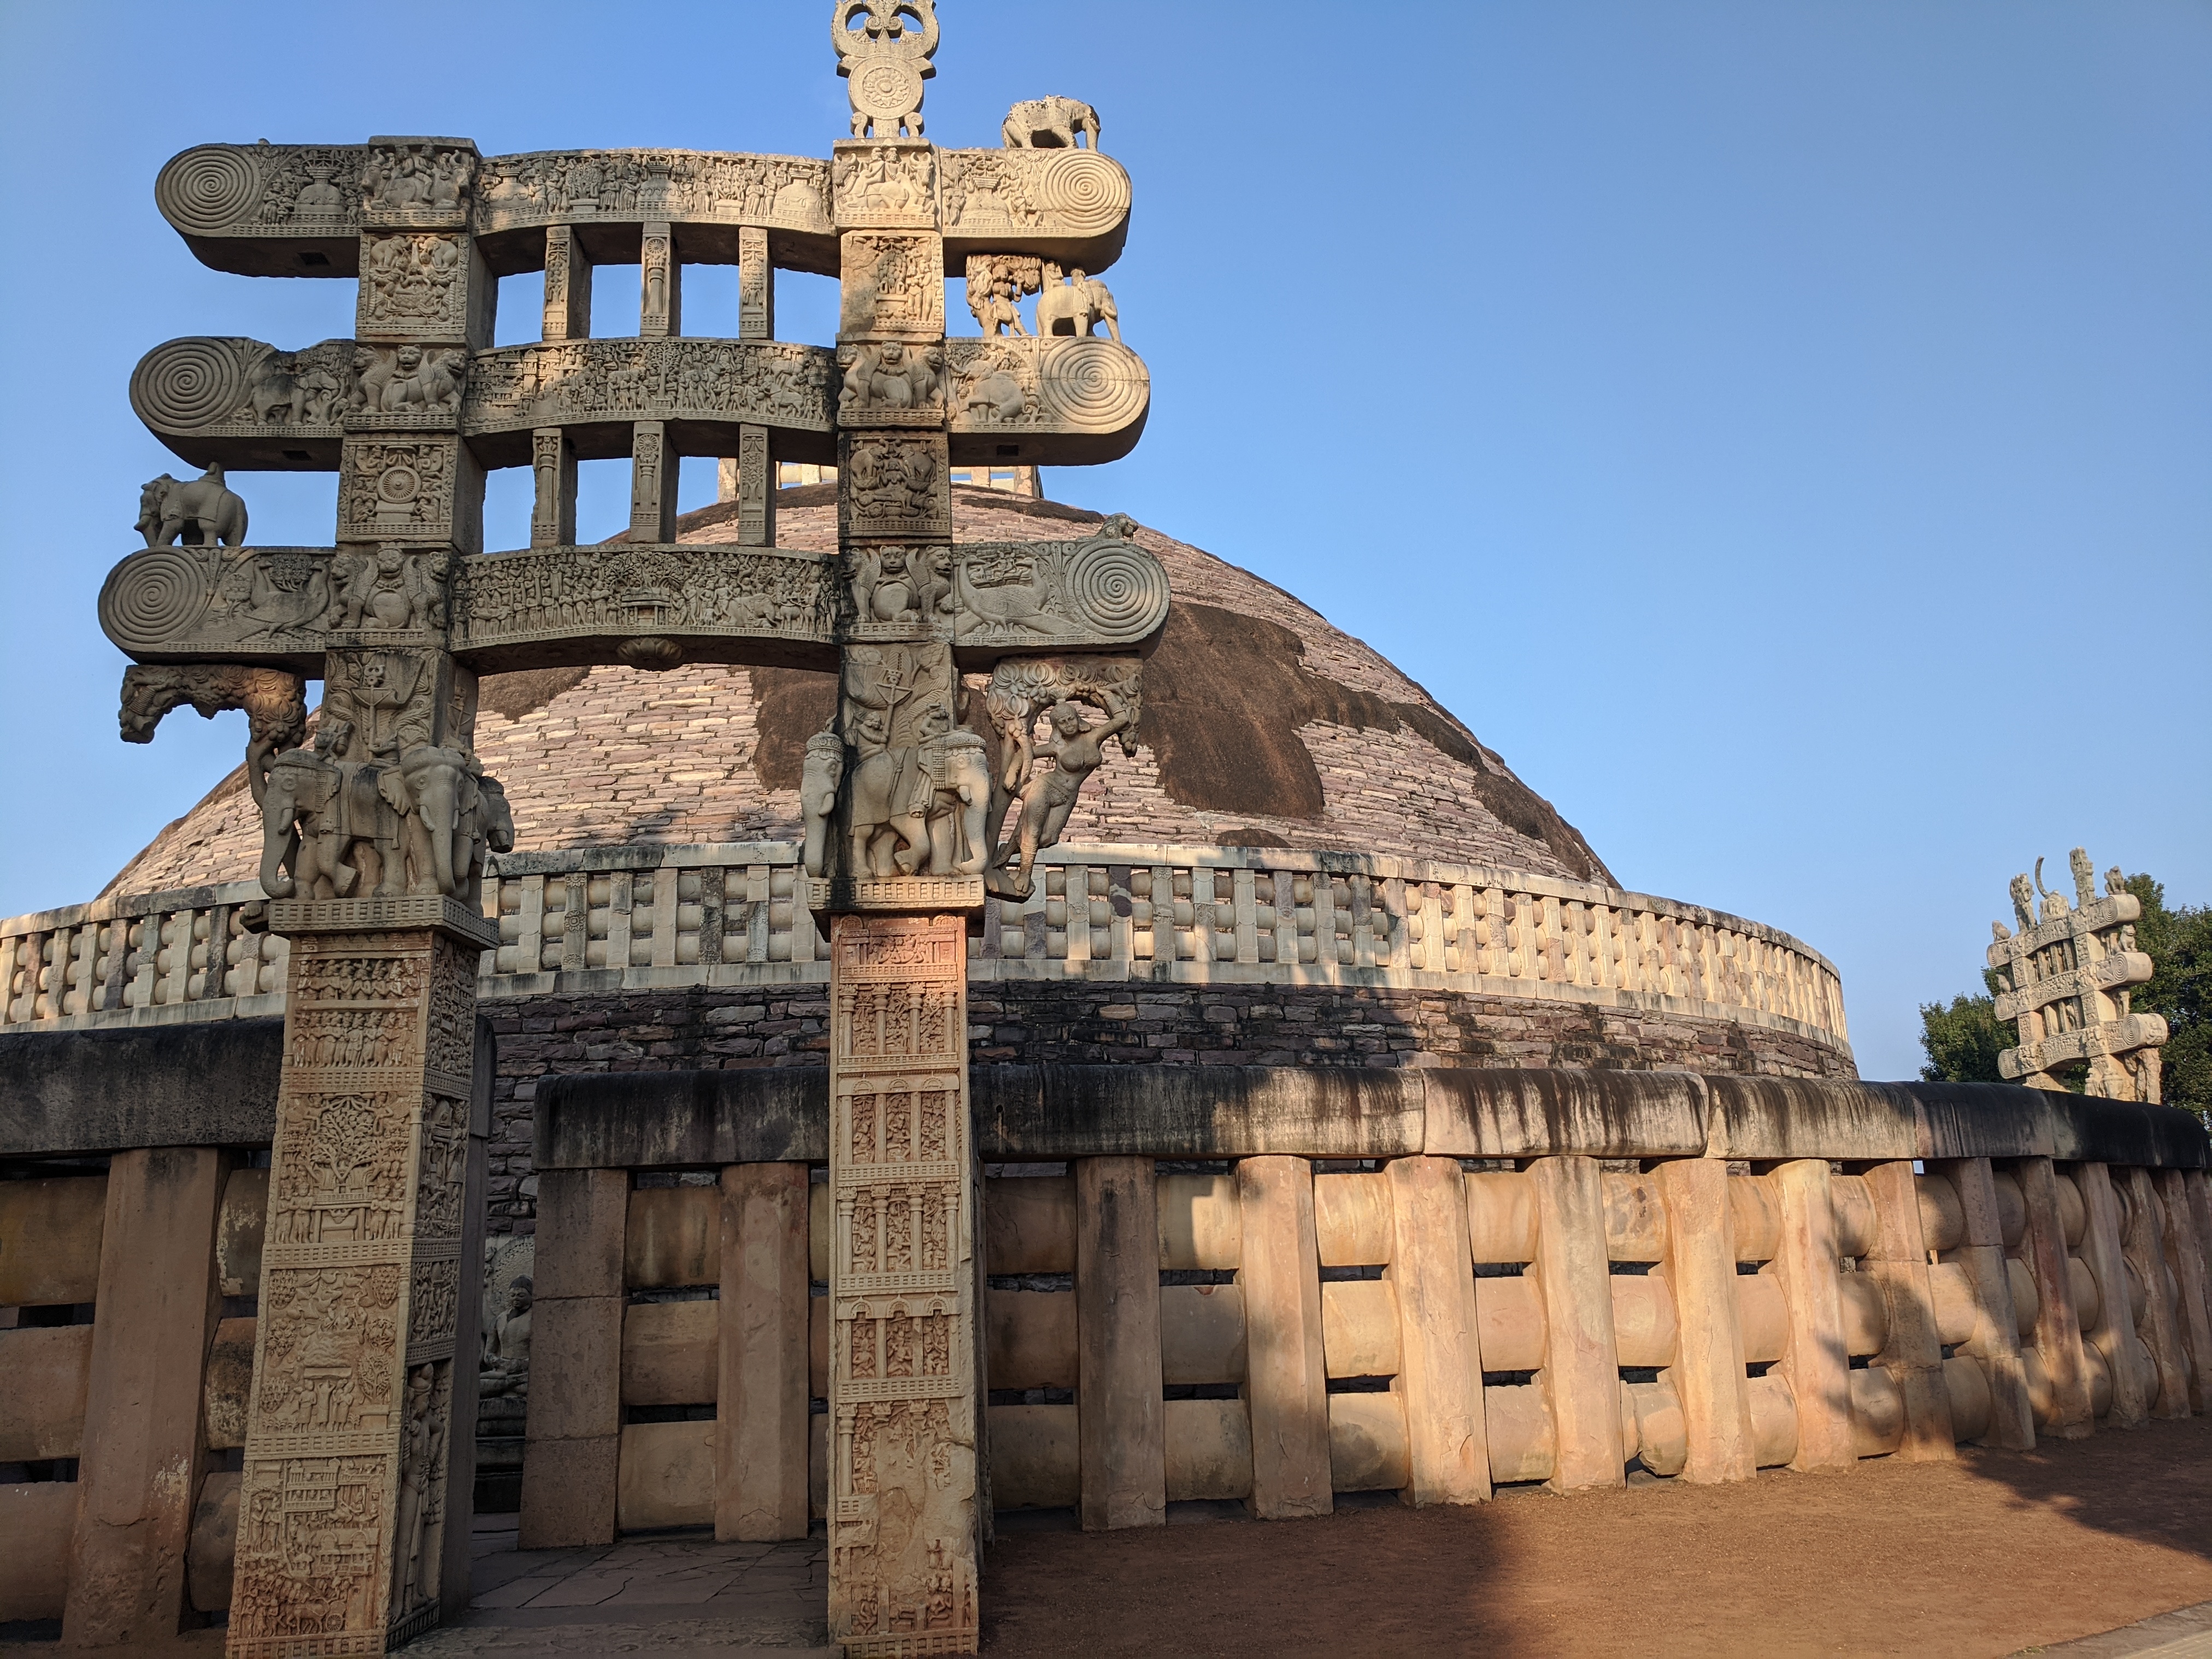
(647, 917)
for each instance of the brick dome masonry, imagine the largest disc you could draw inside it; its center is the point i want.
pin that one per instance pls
(1263, 726)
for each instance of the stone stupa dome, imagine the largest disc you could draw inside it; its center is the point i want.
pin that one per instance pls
(1263, 726)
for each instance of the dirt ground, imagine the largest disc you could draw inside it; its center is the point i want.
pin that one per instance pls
(1997, 1553)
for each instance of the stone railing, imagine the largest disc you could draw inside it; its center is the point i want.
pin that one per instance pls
(644, 917)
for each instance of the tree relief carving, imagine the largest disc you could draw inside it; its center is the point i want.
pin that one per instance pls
(1040, 775)
(1040, 197)
(263, 190)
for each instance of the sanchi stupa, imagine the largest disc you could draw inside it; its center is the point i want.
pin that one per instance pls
(536, 1076)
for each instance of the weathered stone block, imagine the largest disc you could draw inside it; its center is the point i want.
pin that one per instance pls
(1036, 1460)
(1634, 1218)
(229, 1385)
(38, 1521)
(569, 1492)
(1518, 1427)
(1645, 1327)
(1359, 1327)
(50, 1234)
(1207, 1447)
(580, 1215)
(1200, 1223)
(575, 1367)
(210, 1562)
(1028, 1225)
(667, 1476)
(239, 1230)
(1509, 1324)
(1352, 1220)
(1501, 1215)
(1031, 1337)
(1367, 1446)
(44, 1371)
(673, 1239)
(1117, 1308)
(670, 1353)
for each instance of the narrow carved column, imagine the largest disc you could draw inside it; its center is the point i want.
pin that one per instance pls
(2058, 1336)
(652, 483)
(353, 1380)
(1912, 1353)
(902, 1486)
(1286, 1382)
(553, 508)
(1581, 1373)
(2184, 1259)
(756, 286)
(2113, 1332)
(1117, 1310)
(752, 486)
(1816, 1365)
(567, 314)
(760, 1425)
(144, 1449)
(1440, 1369)
(660, 308)
(1709, 1373)
(1996, 1341)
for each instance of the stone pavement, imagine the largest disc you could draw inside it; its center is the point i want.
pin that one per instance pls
(682, 1593)
(2185, 1633)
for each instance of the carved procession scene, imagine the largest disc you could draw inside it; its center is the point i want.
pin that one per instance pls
(980, 684)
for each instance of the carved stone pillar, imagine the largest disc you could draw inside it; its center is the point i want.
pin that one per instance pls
(553, 510)
(342, 1511)
(660, 307)
(903, 1483)
(756, 286)
(567, 286)
(652, 484)
(749, 479)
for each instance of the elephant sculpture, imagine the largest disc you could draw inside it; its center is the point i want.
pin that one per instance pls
(452, 815)
(820, 774)
(959, 772)
(328, 828)
(1081, 303)
(205, 511)
(1049, 123)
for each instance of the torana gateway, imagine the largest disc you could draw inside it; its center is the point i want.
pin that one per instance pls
(892, 1000)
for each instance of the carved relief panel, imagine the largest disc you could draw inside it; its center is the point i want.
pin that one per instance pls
(903, 1494)
(600, 185)
(893, 285)
(424, 183)
(415, 286)
(888, 184)
(895, 486)
(765, 382)
(343, 1502)
(411, 491)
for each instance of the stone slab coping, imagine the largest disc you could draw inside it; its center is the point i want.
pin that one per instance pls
(213, 1082)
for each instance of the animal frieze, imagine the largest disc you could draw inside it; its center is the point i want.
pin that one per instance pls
(1049, 200)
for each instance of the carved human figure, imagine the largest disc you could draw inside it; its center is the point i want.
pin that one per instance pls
(891, 797)
(1048, 796)
(820, 774)
(505, 1365)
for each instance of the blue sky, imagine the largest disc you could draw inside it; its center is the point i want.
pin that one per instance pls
(1783, 431)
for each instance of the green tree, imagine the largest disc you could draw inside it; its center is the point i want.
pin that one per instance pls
(1962, 1042)
(2179, 942)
